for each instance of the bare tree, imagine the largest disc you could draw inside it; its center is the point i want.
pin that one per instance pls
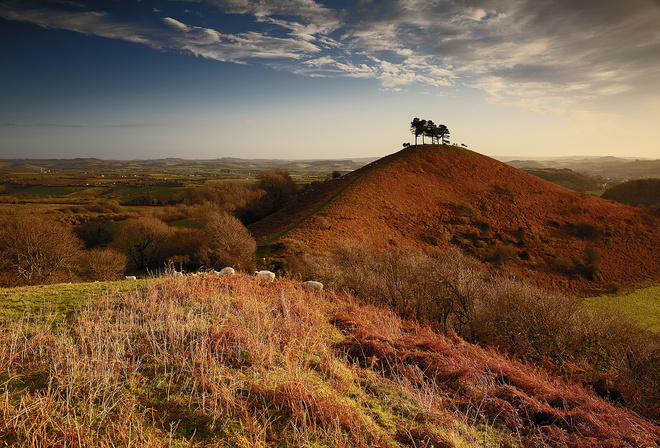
(226, 242)
(144, 241)
(35, 250)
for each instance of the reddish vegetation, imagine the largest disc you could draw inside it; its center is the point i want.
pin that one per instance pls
(435, 195)
(233, 361)
(545, 411)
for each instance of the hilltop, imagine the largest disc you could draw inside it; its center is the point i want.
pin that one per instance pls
(231, 361)
(434, 195)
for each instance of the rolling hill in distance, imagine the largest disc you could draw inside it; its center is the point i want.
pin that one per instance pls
(436, 195)
(611, 169)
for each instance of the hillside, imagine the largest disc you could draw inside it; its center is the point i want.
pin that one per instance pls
(610, 169)
(567, 178)
(436, 195)
(233, 362)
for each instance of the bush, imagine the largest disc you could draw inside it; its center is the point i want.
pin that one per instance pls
(144, 241)
(587, 231)
(94, 233)
(35, 250)
(227, 242)
(102, 265)
(226, 196)
(441, 290)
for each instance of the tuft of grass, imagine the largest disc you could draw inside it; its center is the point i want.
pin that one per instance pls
(641, 306)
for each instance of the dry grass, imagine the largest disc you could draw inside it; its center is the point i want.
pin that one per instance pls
(419, 197)
(211, 361)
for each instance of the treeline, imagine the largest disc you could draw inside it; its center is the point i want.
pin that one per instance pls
(639, 192)
(567, 178)
(456, 294)
(206, 231)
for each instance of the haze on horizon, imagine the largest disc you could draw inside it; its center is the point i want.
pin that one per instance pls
(306, 79)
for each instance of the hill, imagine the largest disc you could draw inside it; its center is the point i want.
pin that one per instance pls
(230, 361)
(567, 178)
(436, 195)
(610, 169)
(644, 192)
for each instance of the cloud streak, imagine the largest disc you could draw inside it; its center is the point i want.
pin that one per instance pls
(542, 56)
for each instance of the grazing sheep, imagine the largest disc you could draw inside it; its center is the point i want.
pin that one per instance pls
(225, 271)
(130, 277)
(265, 275)
(177, 274)
(314, 285)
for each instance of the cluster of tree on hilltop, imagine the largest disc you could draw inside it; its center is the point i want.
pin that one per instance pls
(427, 128)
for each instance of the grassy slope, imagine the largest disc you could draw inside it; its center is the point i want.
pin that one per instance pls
(452, 195)
(212, 361)
(60, 299)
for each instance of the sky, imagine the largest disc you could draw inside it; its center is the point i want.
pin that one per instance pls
(306, 79)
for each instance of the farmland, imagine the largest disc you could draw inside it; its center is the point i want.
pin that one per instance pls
(75, 188)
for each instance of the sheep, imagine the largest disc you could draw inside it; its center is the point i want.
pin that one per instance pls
(225, 271)
(265, 275)
(314, 285)
(177, 274)
(130, 277)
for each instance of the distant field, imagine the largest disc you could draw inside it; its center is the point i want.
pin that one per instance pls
(642, 306)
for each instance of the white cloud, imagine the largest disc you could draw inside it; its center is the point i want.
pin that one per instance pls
(542, 56)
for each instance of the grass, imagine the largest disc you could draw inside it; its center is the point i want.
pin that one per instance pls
(60, 299)
(641, 306)
(233, 362)
(264, 243)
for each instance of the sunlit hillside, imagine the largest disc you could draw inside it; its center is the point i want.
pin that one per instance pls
(232, 361)
(439, 195)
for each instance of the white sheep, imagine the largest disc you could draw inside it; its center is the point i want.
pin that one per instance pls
(265, 275)
(225, 271)
(130, 277)
(314, 285)
(177, 274)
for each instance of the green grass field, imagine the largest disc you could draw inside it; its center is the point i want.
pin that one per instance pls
(59, 300)
(641, 306)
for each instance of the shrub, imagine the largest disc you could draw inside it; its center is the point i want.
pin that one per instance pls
(441, 290)
(36, 250)
(564, 265)
(102, 264)
(94, 233)
(144, 241)
(227, 242)
(587, 231)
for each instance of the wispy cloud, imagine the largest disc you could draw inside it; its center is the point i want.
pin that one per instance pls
(76, 126)
(543, 56)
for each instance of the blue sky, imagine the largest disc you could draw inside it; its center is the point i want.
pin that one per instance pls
(303, 79)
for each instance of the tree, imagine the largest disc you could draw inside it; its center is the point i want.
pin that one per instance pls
(144, 241)
(443, 133)
(279, 189)
(430, 130)
(102, 264)
(439, 133)
(35, 250)
(417, 127)
(226, 242)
